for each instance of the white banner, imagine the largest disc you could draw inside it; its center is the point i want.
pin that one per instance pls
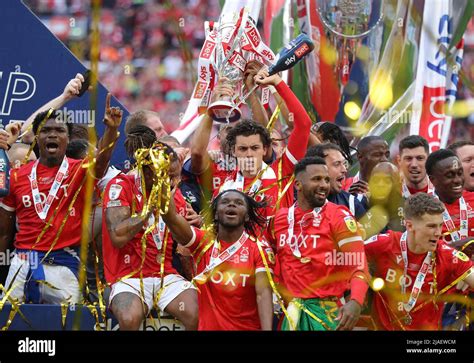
(436, 81)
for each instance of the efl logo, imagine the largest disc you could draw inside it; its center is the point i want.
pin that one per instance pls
(253, 37)
(301, 51)
(200, 89)
(207, 49)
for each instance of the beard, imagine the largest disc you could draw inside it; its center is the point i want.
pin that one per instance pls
(312, 200)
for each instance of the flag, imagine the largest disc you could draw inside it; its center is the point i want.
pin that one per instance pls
(315, 82)
(437, 74)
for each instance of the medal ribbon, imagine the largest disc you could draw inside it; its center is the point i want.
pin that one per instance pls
(406, 192)
(216, 259)
(420, 278)
(463, 222)
(42, 210)
(291, 228)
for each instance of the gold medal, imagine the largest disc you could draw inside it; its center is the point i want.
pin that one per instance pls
(305, 259)
(407, 319)
(200, 279)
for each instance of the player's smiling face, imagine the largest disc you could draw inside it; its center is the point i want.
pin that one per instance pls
(448, 179)
(231, 209)
(426, 231)
(315, 184)
(52, 142)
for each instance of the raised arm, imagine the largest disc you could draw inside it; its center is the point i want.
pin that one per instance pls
(199, 157)
(112, 120)
(70, 91)
(258, 112)
(179, 227)
(302, 123)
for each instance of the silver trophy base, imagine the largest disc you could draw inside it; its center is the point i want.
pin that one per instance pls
(219, 111)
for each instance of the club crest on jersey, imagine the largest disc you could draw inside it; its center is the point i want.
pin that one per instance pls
(350, 224)
(461, 255)
(316, 221)
(271, 255)
(114, 191)
(244, 254)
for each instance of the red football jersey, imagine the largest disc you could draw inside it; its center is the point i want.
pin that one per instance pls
(228, 300)
(453, 210)
(413, 191)
(20, 201)
(385, 253)
(269, 184)
(122, 191)
(297, 142)
(328, 272)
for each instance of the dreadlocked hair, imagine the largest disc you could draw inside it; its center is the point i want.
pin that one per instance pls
(332, 133)
(139, 137)
(256, 221)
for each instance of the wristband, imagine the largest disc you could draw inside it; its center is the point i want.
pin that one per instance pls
(358, 289)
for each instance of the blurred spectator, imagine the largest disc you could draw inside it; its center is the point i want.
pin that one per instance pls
(148, 48)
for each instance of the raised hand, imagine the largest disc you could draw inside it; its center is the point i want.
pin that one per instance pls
(13, 131)
(264, 79)
(112, 115)
(73, 87)
(193, 218)
(359, 187)
(251, 70)
(222, 88)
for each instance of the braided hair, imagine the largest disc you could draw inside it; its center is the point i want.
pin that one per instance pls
(139, 137)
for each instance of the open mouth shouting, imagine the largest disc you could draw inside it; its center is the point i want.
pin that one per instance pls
(340, 180)
(52, 147)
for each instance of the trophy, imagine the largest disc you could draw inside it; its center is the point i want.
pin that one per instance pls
(230, 60)
(232, 43)
(353, 19)
(348, 21)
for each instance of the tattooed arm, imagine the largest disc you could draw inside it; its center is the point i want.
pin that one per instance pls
(121, 226)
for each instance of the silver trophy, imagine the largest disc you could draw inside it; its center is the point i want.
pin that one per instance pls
(348, 22)
(351, 19)
(231, 64)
